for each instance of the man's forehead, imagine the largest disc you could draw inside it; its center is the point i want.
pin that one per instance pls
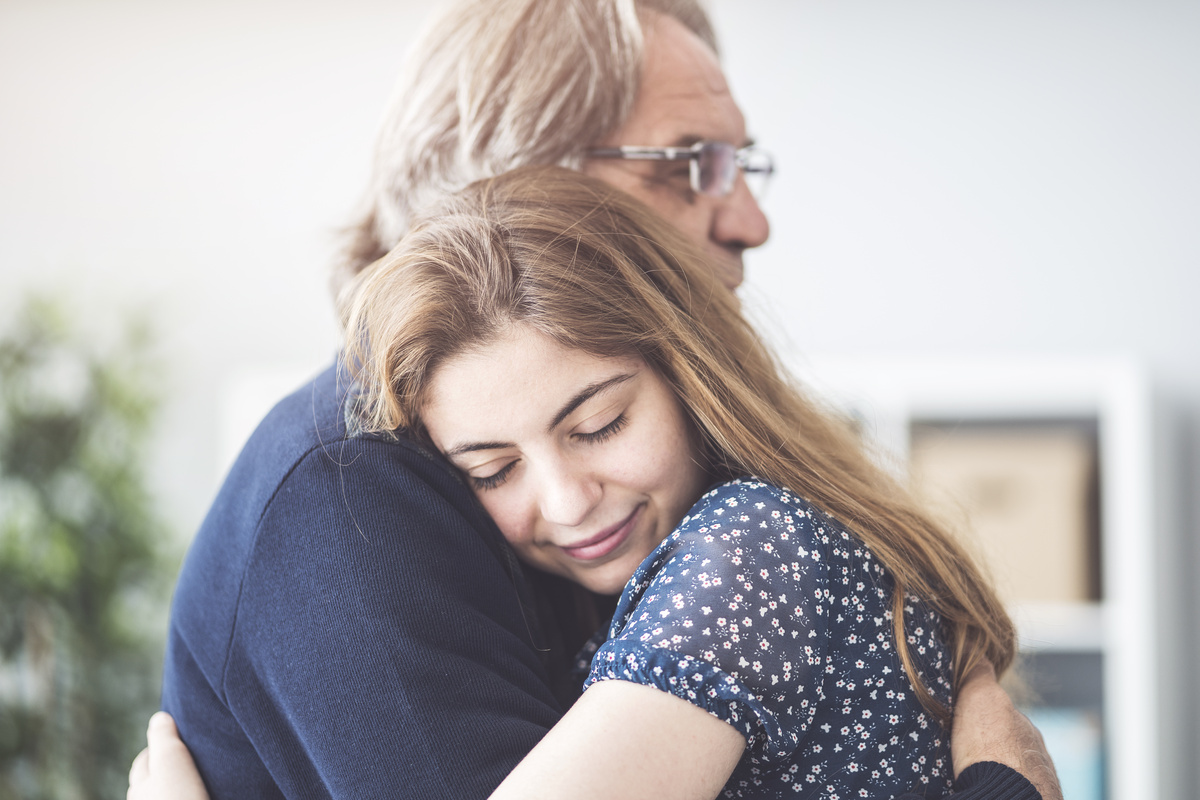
(676, 59)
(683, 97)
(674, 52)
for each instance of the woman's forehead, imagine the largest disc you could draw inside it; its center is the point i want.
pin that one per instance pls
(515, 384)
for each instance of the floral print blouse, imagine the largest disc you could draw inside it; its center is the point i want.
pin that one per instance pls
(769, 615)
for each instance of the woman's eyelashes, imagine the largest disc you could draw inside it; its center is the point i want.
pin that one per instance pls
(607, 432)
(498, 477)
(493, 480)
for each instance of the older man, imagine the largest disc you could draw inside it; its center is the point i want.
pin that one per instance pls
(348, 622)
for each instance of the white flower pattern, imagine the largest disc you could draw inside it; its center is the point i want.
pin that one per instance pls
(772, 617)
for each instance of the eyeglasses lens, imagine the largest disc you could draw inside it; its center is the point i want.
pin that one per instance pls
(758, 167)
(716, 165)
(715, 169)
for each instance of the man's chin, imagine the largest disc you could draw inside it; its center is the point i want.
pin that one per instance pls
(730, 270)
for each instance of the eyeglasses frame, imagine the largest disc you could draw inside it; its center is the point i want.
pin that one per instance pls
(692, 154)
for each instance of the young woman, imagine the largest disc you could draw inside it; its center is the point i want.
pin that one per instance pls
(790, 622)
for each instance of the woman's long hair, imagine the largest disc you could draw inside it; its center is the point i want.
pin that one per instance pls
(594, 269)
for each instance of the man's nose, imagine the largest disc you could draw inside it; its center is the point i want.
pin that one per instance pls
(568, 496)
(739, 222)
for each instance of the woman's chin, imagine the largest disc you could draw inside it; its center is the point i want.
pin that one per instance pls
(612, 584)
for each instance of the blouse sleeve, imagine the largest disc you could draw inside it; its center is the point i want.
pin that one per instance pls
(731, 613)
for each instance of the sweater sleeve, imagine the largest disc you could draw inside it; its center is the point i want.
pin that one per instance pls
(988, 780)
(359, 637)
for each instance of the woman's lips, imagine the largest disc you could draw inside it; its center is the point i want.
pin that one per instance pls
(606, 541)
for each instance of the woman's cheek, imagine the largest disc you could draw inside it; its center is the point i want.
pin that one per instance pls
(505, 510)
(668, 451)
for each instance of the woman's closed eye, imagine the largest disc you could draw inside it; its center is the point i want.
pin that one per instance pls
(495, 479)
(607, 432)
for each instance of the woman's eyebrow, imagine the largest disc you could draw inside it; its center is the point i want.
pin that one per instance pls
(588, 393)
(474, 446)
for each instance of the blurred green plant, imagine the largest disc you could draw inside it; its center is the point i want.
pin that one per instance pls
(83, 574)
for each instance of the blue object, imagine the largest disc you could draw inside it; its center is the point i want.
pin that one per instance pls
(1073, 737)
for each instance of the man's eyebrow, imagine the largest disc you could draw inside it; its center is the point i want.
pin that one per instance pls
(689, 139)
(686, 140)
(585, 395)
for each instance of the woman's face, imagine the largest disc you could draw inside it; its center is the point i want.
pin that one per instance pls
(585, 463)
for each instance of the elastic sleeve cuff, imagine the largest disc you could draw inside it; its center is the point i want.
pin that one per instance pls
(701, 684)
(990, 780)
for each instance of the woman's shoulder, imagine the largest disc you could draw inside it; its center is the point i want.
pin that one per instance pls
(749, 506)
(749, 492)
(731, 613)
(749, 522)
(742, 524)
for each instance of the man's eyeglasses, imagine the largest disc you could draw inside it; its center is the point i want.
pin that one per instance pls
(714, 165)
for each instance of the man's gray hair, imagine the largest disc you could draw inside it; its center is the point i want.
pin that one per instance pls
(491, 85)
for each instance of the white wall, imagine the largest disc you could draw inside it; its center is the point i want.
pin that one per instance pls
(1002, 177)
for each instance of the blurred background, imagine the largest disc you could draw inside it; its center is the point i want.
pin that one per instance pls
(958, 183)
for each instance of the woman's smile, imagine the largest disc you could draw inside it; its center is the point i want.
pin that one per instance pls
(606, 541)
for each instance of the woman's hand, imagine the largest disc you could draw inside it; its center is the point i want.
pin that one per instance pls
(165, 769)
(988, 727)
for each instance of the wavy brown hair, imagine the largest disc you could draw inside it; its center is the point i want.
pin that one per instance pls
(594, 269)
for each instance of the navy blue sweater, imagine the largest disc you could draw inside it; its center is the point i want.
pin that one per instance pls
(349, 623)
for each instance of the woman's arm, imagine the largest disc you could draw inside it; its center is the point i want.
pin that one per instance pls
(597, 750)
(626, 740)
(165, 770)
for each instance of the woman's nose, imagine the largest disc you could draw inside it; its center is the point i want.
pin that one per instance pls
(568, 496)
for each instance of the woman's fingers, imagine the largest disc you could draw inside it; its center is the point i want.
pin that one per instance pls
(139, 771)
(164, 744)
(165, 769)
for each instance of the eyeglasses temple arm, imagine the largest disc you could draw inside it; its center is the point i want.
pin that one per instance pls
(643, 153)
